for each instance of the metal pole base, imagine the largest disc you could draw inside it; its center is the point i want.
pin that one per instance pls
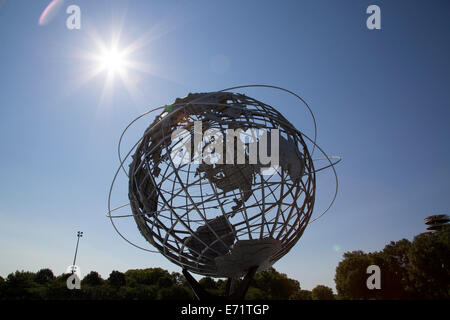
(236, 294)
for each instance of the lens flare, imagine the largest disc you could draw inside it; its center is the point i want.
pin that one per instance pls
(50, 12)
(112, 61)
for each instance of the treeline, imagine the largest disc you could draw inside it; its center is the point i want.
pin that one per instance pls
(409, 270)
(147, 284)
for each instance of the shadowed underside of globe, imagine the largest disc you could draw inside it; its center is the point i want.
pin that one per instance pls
(214, 218)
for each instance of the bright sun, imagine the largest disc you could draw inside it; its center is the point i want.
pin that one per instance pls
(115, 62)
(112, 61)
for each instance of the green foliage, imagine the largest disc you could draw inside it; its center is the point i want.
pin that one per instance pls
(211, 286)
(256, 294)
(351, 273)
(409, 270)
(165, 281)
(117, 279)
(57, 289)
(275, 285)
(429, 265)
(2, 288)
(146, 284)
(351, 276)
(139, 292)
(301, 295)
(21, 278)
(221, 286)
(92, 279)
(208, 283)
(393, 262)
(179, 279)
(44, 276)
(175, 292)
(321, 292)
(148, 276)
(20, 285)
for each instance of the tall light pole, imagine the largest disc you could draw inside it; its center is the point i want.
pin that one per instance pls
(79, 235)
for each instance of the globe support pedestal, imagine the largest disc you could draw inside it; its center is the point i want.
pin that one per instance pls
(237, 294)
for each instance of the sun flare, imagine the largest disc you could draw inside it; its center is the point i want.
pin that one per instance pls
(112, 61)
(116, 63)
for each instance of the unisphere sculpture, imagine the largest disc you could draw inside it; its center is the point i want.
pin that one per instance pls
(203, 193)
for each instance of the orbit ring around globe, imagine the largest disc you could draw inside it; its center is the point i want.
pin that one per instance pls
(222, 217)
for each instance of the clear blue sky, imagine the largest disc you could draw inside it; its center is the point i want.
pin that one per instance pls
(381, 99)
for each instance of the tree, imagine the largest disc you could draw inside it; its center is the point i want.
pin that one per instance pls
(409, 270)
(147, 284)
(174, 292)
(275, 285)
(44, 276)
(393, 262)
(429, 264)
(208, 283)
(221, 286)
(92, 279)
(255, 294)
(116, 279)
(148, 276)
(301, 295)
(19, 285)
(351, 276)
(321, 292)
(57, 289)
(165, 281)
(213, 287)
(139, 292)
(351, 273)
(2, 288)
(178, 278)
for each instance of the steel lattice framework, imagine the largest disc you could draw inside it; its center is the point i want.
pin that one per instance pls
(211, 218)
(193, 213)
